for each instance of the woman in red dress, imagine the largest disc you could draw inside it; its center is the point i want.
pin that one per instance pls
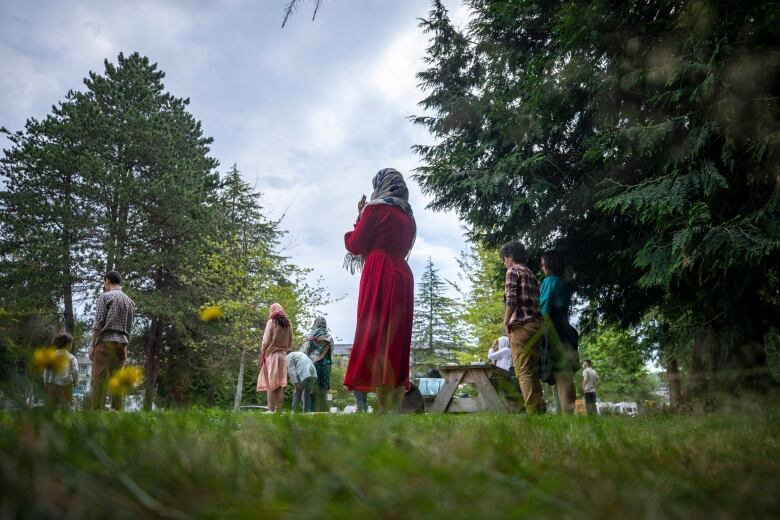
(381, 241)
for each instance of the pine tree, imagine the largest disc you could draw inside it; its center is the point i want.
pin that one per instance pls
(437, 337)
(45, 213)
(153, 194)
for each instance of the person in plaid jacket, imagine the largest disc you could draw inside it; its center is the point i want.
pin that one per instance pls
(523, 323)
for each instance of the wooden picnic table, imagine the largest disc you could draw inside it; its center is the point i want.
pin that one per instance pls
(497, 390)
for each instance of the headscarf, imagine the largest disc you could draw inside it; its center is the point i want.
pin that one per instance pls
(276, 313)
(389, 188)
(318, 342)
(503, 342)
(319, 330)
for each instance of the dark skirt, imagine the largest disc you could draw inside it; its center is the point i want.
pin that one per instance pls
(559, 350)
(323, 373)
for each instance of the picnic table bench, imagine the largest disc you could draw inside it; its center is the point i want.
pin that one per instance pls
(497, 389)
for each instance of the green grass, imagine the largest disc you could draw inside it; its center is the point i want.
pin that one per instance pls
(216, 464)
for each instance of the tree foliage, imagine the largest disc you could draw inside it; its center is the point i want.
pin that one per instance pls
(292, 6)
(638, 138)
(46, 213)
(617, 358)
(482, 308)
(119, 177)
(243, 273)
(436, 335)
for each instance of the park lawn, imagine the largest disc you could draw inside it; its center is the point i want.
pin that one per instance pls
(217, 464)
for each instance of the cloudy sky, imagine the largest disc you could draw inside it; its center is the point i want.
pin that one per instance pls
(309, 112)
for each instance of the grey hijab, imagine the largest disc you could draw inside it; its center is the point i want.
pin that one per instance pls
(389, 188)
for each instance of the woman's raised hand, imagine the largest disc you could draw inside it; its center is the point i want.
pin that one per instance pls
(362, 203)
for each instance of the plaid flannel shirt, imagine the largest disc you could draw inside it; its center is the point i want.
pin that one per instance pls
(114, 316)
(521, 291)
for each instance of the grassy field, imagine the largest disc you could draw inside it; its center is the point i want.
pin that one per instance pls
(215, 464)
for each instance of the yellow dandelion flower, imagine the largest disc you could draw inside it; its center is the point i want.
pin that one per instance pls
(115, 387)
(125, 379)
(211, 313)
(49, 357)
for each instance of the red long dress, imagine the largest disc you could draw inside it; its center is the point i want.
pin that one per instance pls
(380, 353)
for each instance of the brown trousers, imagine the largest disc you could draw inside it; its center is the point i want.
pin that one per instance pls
(524, 341)
(109, 356)
(60, 395)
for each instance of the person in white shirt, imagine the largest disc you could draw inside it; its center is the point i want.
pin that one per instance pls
(502, 354)
(302, 374)
(590, 381)
(58, 381)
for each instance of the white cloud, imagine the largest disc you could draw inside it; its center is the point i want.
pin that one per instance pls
(394, 75)
(327, 129)
(355, 106)
(23, 87)
(309, 113)
(444, 257)
(460, 15)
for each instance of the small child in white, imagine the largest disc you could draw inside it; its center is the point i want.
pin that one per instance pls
(58, 382)
(502, 355)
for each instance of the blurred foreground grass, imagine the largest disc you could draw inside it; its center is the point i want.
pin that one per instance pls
(206, 463)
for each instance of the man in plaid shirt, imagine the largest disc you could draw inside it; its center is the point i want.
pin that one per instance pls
(523, 323)
(110, 336)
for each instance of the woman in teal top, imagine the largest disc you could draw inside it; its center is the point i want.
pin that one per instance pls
(562, 339)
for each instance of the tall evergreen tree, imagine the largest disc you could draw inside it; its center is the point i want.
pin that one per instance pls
(247, 268)
(638, 138)
(436, 334)
(154, 192)
(45, 213)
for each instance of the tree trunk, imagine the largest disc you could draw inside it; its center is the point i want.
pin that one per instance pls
(747, 363)
(749, 367)
(700, 391)
(697, 385)
(67, 288)
(70, 321)
(176, 377)
(152, 361)
(240, 382)
(673, 379)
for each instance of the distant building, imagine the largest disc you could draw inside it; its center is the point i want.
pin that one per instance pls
(342, 349)
(341, 352)
(85, 377)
